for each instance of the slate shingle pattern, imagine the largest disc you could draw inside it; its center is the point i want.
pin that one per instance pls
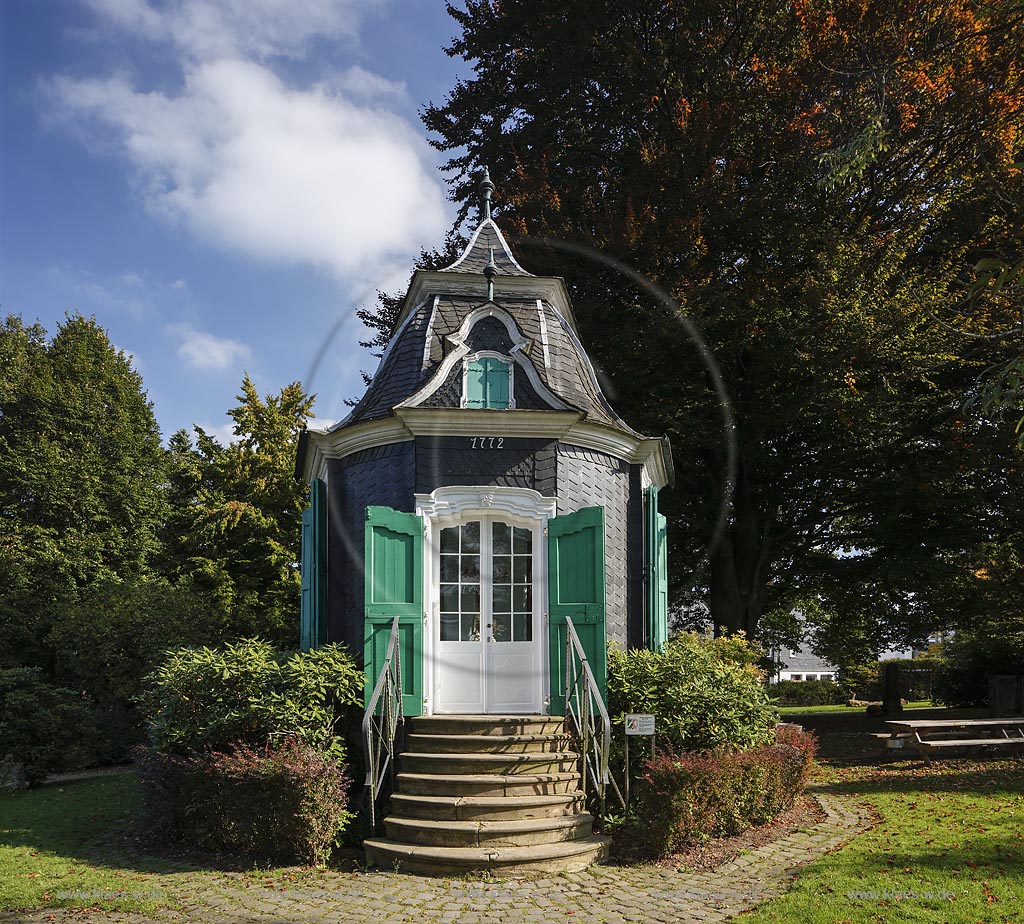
(422, 343)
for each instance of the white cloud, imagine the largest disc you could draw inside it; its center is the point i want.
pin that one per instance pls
(320, 423)
(223, 433)
(206, 351)
(207, 28)
(324, 175)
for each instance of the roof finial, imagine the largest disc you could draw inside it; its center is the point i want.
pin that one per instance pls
(486, 189)
(490, 271)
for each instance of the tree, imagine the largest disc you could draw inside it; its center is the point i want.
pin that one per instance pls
(234, 528)
(81, 471)
(808, 182)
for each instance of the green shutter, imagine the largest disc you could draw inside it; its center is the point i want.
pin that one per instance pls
(313, 620)
(656, 572)
(497, 383)
(476, 384)
(576, 579)
(487, 383)
(306, 608)
(394, 587)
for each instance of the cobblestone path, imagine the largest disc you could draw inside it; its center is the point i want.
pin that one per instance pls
(600, 894)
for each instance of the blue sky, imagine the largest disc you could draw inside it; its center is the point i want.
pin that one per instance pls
(219, 182)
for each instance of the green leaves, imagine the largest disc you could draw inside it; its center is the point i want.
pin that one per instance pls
(205, 699)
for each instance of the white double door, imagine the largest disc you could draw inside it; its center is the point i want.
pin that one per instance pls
(487, 639)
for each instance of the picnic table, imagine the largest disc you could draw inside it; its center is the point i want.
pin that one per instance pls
(973, 735)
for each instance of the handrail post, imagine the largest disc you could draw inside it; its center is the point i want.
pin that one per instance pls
(379, 731)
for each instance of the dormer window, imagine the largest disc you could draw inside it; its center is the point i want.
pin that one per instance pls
(487, 381)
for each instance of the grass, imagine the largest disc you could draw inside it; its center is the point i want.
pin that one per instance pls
(842, 708)
(953, 831)
(52, 842)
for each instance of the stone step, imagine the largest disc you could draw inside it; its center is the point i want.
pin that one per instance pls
(494, 784)
(533, 860)
(504, 764)
(488, 725)
(486, 808)
(486, 744)
(519, 833)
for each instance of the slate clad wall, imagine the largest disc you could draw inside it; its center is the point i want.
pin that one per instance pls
(447, 461)
(587, 478)
(383, 475)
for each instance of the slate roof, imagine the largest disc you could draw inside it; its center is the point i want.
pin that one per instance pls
(474, 258)
(421, 343)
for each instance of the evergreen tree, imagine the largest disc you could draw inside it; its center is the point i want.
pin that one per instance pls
(234, 527)
(81, 473)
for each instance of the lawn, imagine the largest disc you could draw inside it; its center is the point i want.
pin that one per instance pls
(62, 845)
(948, 847)
(842, 707)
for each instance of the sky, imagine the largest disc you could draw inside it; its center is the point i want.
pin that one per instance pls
(221, 183)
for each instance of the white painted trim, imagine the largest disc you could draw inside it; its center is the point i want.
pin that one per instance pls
(517, 353)
(426, 284)
(544, 333)
(502, 358)
(472, 244)
(450, 506)
(565, 426)
(430, 328)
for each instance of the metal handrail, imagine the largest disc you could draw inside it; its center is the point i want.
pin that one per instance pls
(381, 720)
(585, 706)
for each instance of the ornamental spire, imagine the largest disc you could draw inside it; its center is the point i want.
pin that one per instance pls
(486, 190)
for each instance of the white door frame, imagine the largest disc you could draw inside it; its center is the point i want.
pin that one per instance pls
(449, 506)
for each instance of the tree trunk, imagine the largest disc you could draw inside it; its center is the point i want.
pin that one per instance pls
(740, 568)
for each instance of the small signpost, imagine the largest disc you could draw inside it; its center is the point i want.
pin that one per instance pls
(637, 723)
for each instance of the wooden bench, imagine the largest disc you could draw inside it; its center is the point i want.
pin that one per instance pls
(925, 735)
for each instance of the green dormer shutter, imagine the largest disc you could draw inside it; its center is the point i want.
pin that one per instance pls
(487, 380)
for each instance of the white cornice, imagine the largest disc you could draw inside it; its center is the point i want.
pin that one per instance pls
(565, 426)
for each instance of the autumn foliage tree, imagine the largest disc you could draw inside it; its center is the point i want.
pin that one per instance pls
(811, 182)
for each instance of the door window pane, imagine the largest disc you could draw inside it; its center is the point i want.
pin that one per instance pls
(522, 627)
(449, 598)
(449, 568)
(449, 627)
(502, 536)
(471, 598)
(523, 541)
(502, 630)
(502, 598)
(502, 569)
(470, 568)
(450, 539)
(471, 537)
(522, 601)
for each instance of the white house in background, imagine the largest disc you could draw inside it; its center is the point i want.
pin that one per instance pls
(803, 664)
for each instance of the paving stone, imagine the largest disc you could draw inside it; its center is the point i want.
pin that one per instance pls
(602, 895)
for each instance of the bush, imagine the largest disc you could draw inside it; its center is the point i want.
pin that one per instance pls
(203, 699)
(808, 693)
(246, 749)
(45, 729)
(967, 662)
(687, 798)
(705, 693)
(286, 803)
(863, 681)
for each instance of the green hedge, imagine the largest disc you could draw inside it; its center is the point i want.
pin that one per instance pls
(705, 692)
(206, 699)
(808, 693)
(246, 749)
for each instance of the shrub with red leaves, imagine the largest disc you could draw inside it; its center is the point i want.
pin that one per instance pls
(690, 797)
(284, 802)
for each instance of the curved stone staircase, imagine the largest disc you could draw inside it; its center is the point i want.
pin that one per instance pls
(479, 793)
